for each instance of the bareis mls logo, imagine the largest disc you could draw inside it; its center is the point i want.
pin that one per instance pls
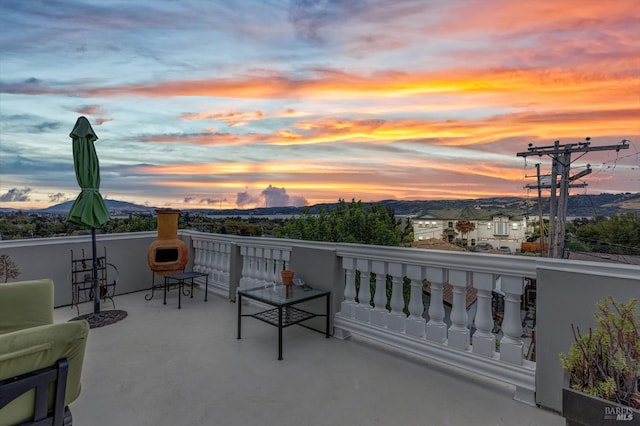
(618, 413)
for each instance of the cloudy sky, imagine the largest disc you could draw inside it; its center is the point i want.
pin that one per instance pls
(249, 103)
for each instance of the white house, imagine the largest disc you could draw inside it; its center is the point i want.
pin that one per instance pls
(498, 227)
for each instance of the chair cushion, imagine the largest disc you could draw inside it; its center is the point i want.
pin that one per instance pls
(38, 347)
(25, 304)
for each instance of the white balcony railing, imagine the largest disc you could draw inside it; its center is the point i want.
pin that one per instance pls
(452, 344)
(213, 257)
(261, 264)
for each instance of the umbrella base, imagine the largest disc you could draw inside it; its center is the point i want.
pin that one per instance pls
(103, 318)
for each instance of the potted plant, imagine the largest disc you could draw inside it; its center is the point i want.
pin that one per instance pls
(287, 276)
(604, 368)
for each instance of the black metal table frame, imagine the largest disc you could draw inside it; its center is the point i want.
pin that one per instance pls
(180, 282)
(292, 316)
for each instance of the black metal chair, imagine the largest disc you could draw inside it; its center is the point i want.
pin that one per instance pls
(44, 381)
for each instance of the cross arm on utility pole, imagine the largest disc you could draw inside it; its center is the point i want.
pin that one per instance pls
(558, 149)
(573, 185)
(581, 174)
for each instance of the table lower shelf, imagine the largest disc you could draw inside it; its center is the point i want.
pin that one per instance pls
(290, 316)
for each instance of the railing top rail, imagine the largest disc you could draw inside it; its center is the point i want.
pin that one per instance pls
(602, 269)
(262, 242)
(477, 262)
(75, 239)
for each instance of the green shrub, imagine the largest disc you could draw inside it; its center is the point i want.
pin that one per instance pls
(606, 361)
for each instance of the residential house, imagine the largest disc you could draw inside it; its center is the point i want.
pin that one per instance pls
(498, 227)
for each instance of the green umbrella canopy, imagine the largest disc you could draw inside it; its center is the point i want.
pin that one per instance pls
(89, 209)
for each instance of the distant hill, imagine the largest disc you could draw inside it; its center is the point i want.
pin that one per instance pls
(582, 205)
(114, 207)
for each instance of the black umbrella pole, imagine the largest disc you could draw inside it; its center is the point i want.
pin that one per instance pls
(96, 294)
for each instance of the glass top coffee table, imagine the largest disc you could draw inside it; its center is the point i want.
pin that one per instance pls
(284, 314)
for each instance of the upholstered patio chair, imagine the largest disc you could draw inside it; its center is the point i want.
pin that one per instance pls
(40, 362)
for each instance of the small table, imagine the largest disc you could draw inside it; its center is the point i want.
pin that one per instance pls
(180, 278)
(284, 314)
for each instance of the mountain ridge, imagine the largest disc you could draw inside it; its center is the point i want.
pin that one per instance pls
(579, 205)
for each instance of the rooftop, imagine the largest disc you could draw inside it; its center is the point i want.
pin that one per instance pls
(394, 356)
(167, 366)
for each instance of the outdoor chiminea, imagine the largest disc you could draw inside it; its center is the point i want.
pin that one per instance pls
(168, 254)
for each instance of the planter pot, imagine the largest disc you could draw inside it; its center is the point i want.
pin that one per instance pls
(287, 277)
(580, 409)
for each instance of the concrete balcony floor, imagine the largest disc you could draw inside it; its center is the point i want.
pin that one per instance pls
(165, 366)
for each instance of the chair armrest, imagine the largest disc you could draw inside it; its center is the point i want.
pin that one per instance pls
(35, 348)
(25, 304)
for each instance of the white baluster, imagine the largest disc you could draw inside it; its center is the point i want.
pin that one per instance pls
(253, 267)
(267, 267)
(246, 268)
(197, 261)
(397, 318)
(363, 308)
(208, 264)
(256, 264)
(415, 325)
(277, 268)
(379, 314)
(215, 269)
(348, 305)
(436, 327)
(286, 256)
(484, 342)
(511, 344)
(226, 265)
(459, 332)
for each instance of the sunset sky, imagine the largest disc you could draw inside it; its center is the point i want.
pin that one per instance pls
(225, 104)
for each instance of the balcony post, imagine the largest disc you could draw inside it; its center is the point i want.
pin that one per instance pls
(511, 344)
(397, 318)
(484, 342)
(436, 328)
(379, 314)
(348, 305)
(363, 308)
(415, 325)
(459, 332)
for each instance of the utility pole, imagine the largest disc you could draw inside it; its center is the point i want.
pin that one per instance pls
(540, 211)
(561, 165)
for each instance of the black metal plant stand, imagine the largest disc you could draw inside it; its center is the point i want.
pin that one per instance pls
(87, 275)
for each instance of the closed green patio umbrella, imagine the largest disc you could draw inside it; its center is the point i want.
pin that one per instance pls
(89, 209)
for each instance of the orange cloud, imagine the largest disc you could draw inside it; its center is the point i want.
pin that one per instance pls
(526, 85)
(231, 118)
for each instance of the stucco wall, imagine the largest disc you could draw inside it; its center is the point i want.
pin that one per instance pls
(320, 268)
(51, 258)
(567, 294)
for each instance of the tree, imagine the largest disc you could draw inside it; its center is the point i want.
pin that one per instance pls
(464, 227)
(618, 234)
(8, 268)
(351, 222)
